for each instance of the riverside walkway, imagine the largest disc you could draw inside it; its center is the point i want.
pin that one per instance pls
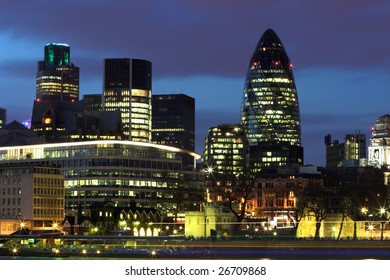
(182, 248)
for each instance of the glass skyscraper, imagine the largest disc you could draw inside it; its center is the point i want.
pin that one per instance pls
(57, 78)
(270, 110)
(127, 87)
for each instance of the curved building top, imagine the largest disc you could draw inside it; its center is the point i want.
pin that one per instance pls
(41, 151)
(270, 108)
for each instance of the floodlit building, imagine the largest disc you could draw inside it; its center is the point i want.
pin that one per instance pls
(270, 109)
(127, 87)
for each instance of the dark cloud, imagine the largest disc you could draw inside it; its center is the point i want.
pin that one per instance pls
(176, 35)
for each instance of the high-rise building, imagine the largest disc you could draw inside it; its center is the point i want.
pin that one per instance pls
(348, 153)
(127, 87)
(173, 121)
(379, 148)
(225, 150)
(270, 110)
(57, 78)
(3, 117)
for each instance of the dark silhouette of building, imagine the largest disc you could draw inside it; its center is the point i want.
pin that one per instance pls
(3, 117)
(14, 134)
(92, 102)
(270, 110)
(60, 121)
(127, 87)
(57, 77)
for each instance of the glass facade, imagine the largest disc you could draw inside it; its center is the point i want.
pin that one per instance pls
(270, 110)
(125, 173)
(128, 88)
(173, 122)
(225, 150)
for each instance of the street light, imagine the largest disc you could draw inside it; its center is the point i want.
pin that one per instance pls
(334, 231)
(371, 228)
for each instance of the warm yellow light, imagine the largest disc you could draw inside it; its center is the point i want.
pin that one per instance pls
(47, 120)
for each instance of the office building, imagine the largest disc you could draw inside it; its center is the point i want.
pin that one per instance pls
(127, 88)
(352, 152)
(173, 122)
(32, 195)
(57, 77)
(225, 150)
(122, 172)
(270, 109)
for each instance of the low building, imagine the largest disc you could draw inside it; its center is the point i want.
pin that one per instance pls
(31, 198)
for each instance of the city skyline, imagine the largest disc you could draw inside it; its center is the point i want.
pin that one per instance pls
(203, 50)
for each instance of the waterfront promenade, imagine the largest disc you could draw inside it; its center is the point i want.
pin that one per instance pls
(182, 248)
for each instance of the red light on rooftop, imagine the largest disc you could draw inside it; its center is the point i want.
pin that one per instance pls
(276, 63)
(38, 100)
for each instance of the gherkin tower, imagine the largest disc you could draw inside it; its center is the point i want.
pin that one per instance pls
(270, 110)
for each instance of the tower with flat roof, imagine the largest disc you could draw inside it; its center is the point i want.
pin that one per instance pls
(127, 87)
(57, 78)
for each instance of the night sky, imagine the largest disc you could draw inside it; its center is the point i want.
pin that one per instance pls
(340, 51)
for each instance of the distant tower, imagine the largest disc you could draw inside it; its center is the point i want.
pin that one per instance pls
(270, 110)
(3, 117)
(349, 153)
(57, 78)
(127, 87)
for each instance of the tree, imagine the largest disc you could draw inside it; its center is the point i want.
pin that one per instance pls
(234, 193)
(317, 201)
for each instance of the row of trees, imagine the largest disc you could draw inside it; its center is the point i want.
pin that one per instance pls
(359, 196)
